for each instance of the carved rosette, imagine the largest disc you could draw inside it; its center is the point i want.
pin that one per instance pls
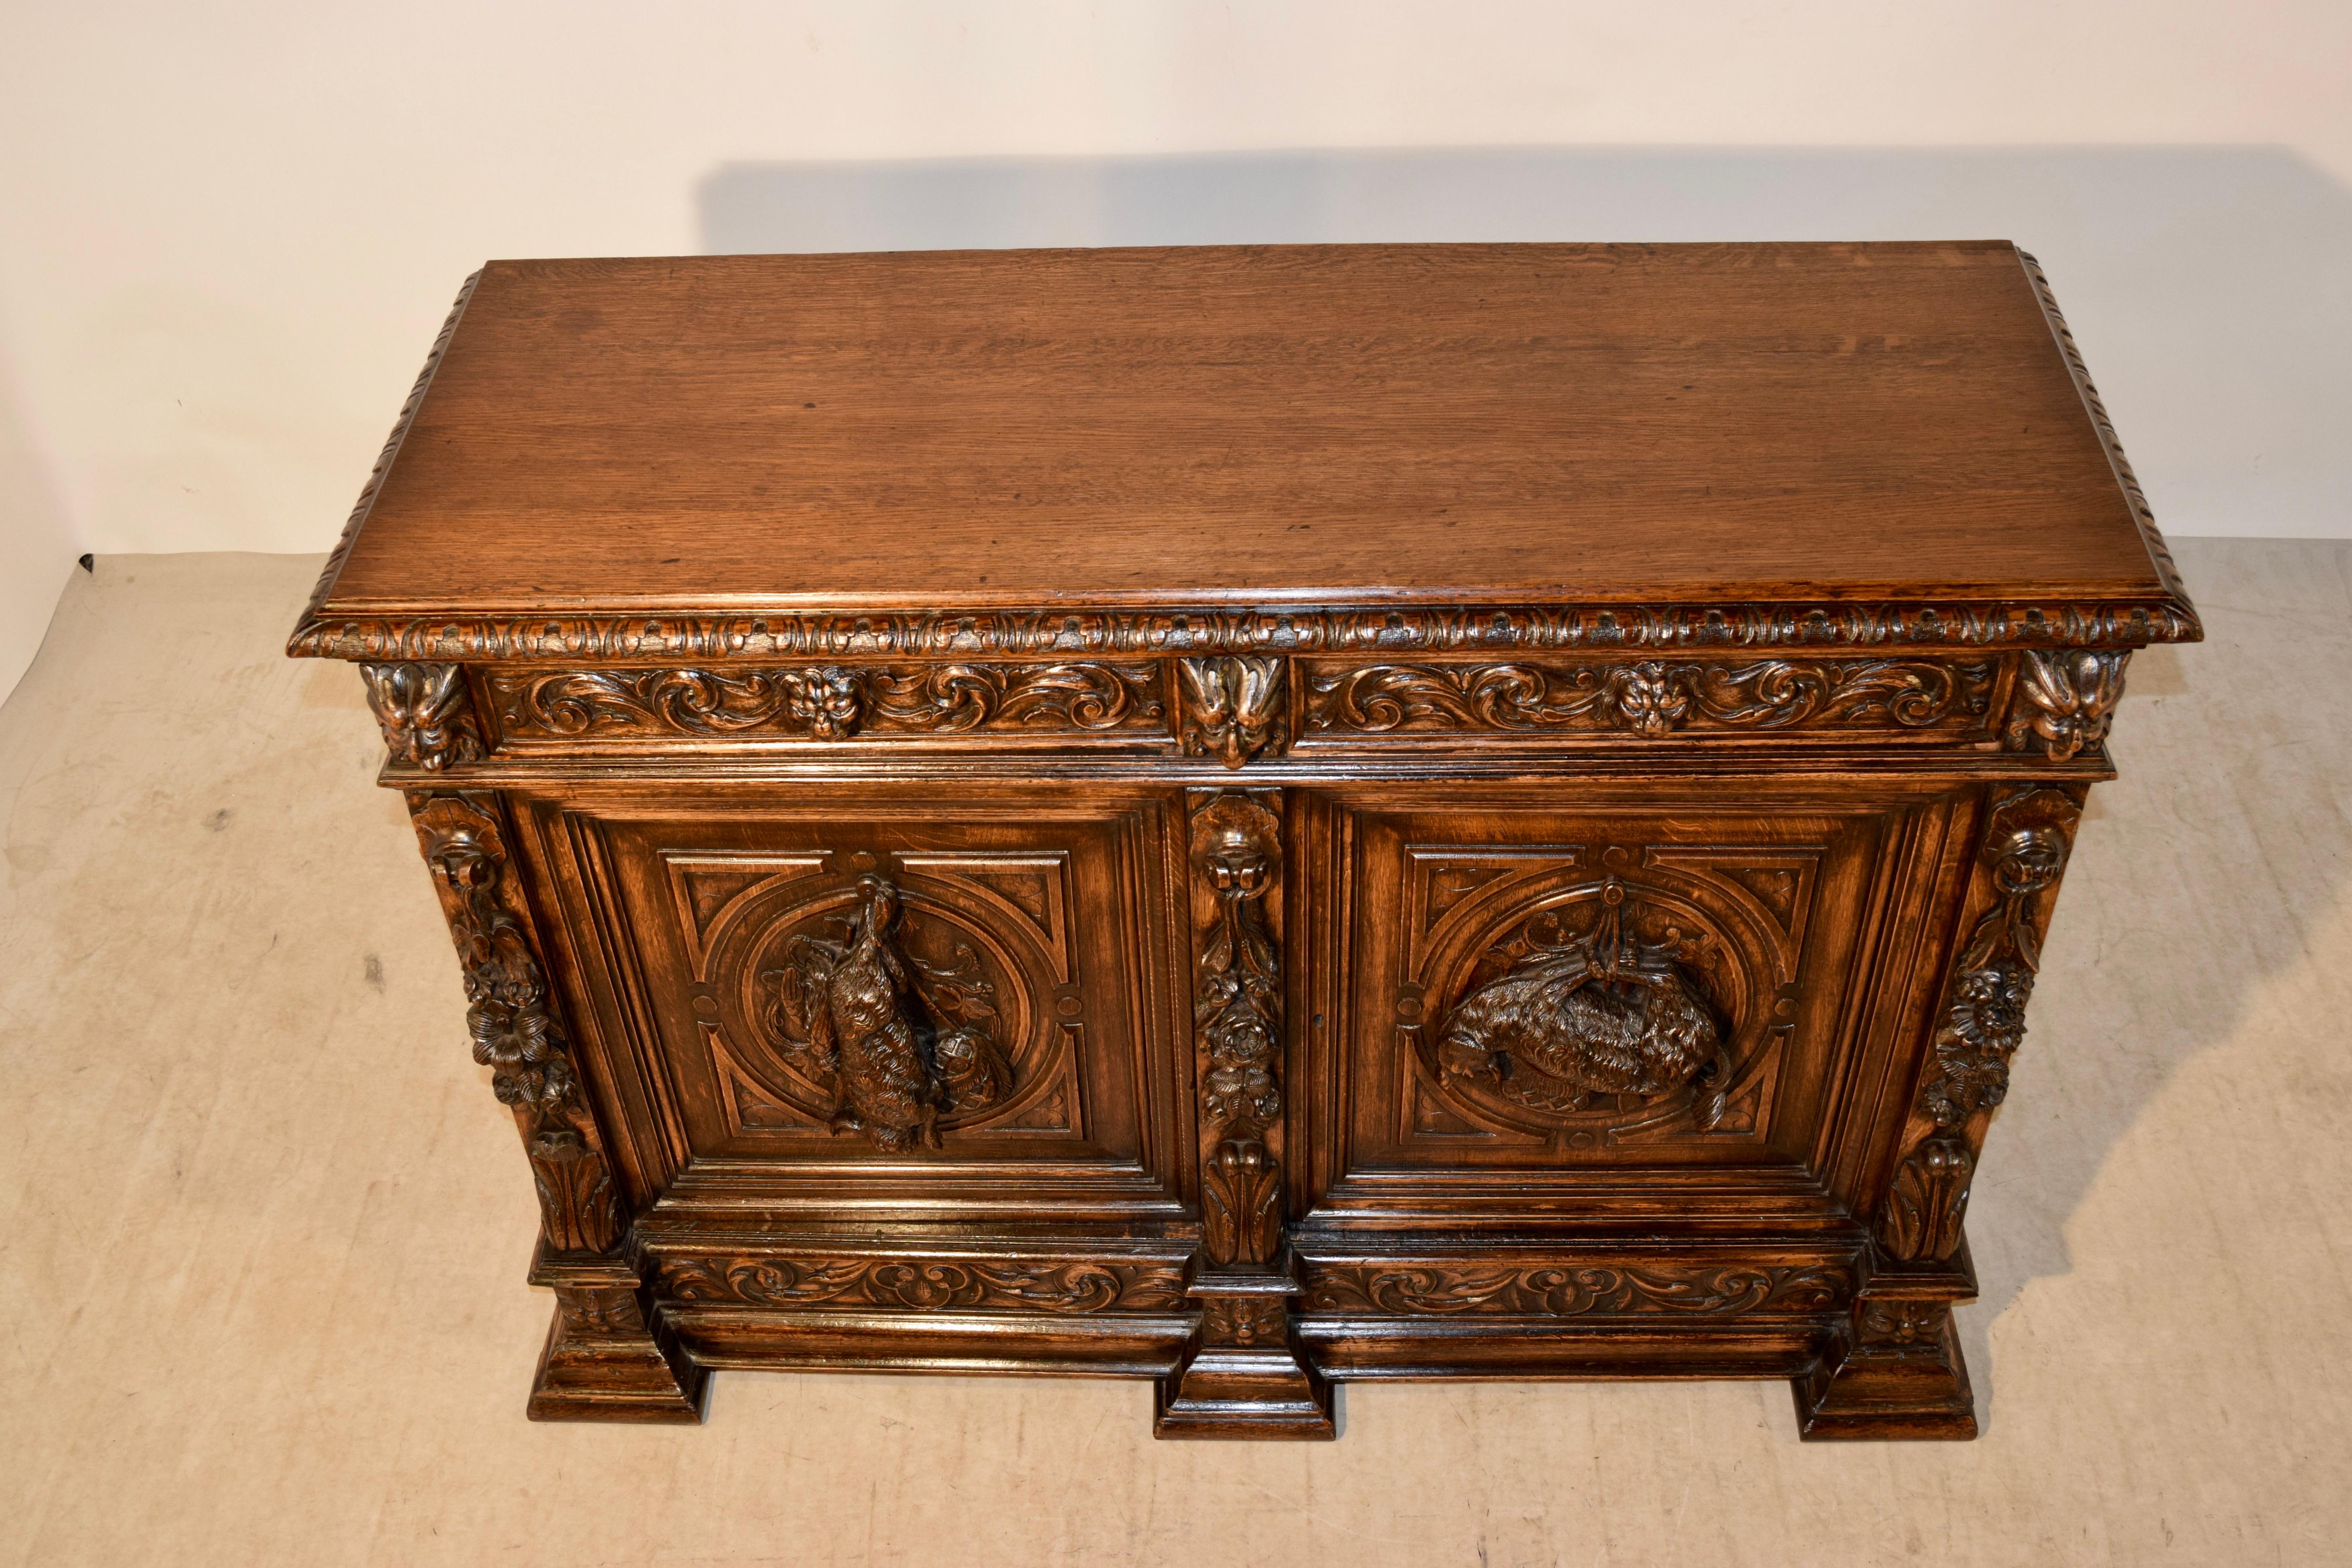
(1235, 709)
(1653, 699)
(512, 1022)
(1237, 1018)
(2066, 701)
(425, 713)
(2028, 837)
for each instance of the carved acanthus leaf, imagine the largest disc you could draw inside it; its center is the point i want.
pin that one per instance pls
(1671, 630)
(829, 702)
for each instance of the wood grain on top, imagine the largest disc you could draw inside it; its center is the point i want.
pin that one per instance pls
(1360, 423)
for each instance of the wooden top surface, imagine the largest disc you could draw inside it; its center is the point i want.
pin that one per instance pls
(1250, 426)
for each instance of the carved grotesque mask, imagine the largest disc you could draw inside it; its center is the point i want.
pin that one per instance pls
(1648, 702)
(827, 701)
(421, 710)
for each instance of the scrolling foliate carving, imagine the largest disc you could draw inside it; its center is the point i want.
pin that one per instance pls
(1653, 699)
(425, 714)
(1604, 1013)
(1237, 1014)
(2028, 837)
(1651, 1289)
(514, 1029)
(897, 1040)
(2066, 701)
(928, 1284)
(1235, 708)
(828, 703)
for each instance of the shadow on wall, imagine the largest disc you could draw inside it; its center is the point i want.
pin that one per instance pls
(2211, 288)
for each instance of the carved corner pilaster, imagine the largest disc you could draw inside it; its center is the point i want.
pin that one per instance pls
(2066, 701)
(2028, 832)
(608, 1356)
(1237, 1019)
(425, 712)
(1245, 1373)
(1235, 709)
(512, 1019)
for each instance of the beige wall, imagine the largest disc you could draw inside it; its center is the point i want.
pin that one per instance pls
(227, 231)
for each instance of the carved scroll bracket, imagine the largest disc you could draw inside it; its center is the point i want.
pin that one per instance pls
(2028, 837)
(513, 1021)
(1235, 709)
(425, 713)
(2066, 701)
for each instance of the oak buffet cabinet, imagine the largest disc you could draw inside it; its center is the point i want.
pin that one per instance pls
(1253, 816)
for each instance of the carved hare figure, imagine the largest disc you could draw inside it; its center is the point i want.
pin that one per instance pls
(1602, 1015)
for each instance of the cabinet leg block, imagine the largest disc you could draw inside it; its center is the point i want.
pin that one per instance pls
(608, 1359)
(1244, 1374)
(1898, 1375)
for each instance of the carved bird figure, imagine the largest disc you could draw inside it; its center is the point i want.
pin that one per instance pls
(861, 1021)
(899, 1042)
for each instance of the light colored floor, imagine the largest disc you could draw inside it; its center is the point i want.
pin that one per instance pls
(263, 1229)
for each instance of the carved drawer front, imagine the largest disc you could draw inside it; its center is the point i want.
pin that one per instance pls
(1559, 1008)
(821, 704)
(1353, 704)
(879, 998)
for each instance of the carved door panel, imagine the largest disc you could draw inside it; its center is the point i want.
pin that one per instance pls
(865, 996)
(1549, 1004)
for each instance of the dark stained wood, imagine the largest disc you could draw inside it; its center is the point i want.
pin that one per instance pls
(1275, 425)
(1547, 884)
